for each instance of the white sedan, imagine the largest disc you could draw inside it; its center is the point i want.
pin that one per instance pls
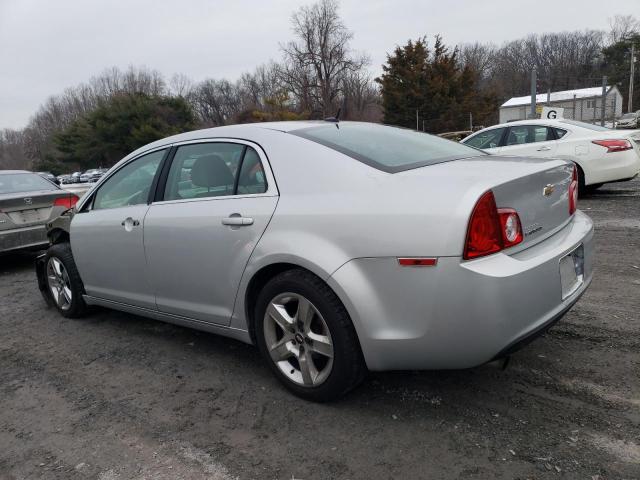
(601, 154)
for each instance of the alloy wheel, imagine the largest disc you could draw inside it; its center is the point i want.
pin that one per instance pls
(59, 284)
(298, 339)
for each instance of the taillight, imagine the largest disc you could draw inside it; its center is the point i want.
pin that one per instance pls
(510, 227)
(573, 191)
(614, 145)
(491, 229)
(66, 202)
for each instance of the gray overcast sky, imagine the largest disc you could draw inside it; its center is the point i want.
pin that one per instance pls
(48, 45)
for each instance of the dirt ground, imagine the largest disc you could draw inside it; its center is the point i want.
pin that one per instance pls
(116, 396)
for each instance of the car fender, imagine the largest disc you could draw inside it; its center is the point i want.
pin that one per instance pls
(316, 254)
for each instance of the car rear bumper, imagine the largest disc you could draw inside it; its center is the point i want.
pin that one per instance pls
(615, 167)
(20, 238)
(460, 314)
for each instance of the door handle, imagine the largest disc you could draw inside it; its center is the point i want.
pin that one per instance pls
(128, 223)
(544, 149)
(237, 220)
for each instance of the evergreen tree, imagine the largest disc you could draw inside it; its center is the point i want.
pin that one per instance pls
(119, 125)
(433, 84)
(616, 60)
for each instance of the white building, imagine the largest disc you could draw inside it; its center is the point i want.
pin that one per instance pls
(584, 104)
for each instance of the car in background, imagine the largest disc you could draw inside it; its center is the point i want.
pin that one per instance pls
(628, 120)
(65, 179)
(91, 176)
(49, 176)
(334, 247)
(27, 202)
(75, 177)
(601, 154)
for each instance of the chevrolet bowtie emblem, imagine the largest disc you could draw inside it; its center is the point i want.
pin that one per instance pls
(548, 190)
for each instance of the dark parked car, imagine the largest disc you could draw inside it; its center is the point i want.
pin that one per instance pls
(27, 202)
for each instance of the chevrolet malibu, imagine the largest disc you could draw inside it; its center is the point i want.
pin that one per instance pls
(335, 247)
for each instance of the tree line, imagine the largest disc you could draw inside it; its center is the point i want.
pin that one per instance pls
(98, 122)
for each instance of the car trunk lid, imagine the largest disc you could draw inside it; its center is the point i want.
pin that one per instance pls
(538, 189)
(28, 208)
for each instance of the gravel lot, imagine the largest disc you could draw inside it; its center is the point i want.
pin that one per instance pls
(116, 396)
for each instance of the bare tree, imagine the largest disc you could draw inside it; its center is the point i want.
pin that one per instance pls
(216, 102)
(12, 150)
(319, 59)
(622, 27)
(180, 85)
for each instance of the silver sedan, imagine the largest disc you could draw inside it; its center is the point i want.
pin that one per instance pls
(336, 248)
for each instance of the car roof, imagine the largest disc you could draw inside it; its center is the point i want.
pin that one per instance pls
(240, 130)
(533, 121)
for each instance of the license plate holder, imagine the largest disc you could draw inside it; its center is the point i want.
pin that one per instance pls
(572, 271)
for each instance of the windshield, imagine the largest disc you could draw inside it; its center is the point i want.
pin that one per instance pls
(390, 149)
(588, 126)
(24, 182)
(628, 116)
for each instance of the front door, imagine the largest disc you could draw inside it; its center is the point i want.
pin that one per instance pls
(107, 237)
(217, 202)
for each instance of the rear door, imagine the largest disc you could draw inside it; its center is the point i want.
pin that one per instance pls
(107, 234)
(214, 206)
(530, 140)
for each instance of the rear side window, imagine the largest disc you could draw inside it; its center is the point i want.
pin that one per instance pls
(251, 178)
(559, 132)
(219, 169)
(521, 134)
(489, 139)
(389, 149)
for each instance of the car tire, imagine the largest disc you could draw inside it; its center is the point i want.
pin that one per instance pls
(64, 286)
(593, 187)
(318, 325)
(582, 188)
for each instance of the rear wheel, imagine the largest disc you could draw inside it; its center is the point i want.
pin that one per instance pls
(306, 336)
(63, 281)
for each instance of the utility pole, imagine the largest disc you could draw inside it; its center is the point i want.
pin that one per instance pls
(604, 99)
(574, 107)
(631, 77)
(417, 122)
(471, 121)
(532, 114)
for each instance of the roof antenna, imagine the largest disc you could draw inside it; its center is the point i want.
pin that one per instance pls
(335, 119)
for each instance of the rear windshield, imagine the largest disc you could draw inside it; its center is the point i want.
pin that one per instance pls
(24, 182)
(588, 126)
(389, 149)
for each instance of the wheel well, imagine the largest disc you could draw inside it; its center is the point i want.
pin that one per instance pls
(58, 235)
(256, 284)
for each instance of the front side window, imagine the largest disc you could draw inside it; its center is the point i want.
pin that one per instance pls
(131, 184)
(521, 134)
(218, 169)
(488, 139)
